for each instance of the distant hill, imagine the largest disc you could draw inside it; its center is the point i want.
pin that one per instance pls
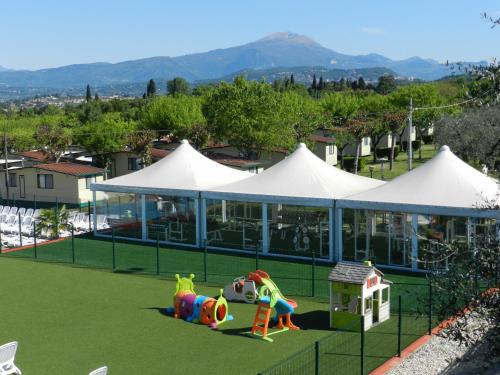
(305, 74)
(3, 69)
(285, 50)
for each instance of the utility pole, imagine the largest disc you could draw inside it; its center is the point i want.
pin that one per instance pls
(6, 165)
(410, 131)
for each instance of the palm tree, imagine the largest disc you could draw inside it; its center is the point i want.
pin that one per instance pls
(52, 220)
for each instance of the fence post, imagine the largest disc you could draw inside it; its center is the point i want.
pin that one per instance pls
(158, 253)
(90, 220)
(73, 243)
(362, 348)
(316, 361)
(205, 258)
(20, 229)
(34, 238)
(430, 307)
(313, 274)
(113, 243)
(399, 325)
(257, 257)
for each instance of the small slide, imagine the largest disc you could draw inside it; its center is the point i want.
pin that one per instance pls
(268, 291)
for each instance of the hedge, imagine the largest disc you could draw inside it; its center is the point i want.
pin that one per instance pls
(349, 163)
(415, 145)
(386, 152)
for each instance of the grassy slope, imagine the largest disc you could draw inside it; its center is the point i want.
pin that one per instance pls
(400, 164)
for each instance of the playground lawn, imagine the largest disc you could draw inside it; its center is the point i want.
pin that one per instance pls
(69, 320)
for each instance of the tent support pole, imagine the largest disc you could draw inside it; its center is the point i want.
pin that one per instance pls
(94, 202)
(203, 221)
(414, 242)
(144, 224)
(331, 222)
(197, 209)
(265, 230)
(339, 248)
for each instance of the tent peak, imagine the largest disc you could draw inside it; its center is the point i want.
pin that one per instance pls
(302, 145)
(444, 148)
(185, 142)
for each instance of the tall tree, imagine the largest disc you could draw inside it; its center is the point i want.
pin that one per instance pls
(359, 129)
(53, 140)
(386, 84)
(246, 114)
(151, 88)
(292, 79)
(361, 83)
(179, 115)
(343, 138)
(177, 86)
(88, 94)
(395, 121)
(141, 142)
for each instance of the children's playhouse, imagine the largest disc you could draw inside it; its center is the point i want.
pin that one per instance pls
(358, 289)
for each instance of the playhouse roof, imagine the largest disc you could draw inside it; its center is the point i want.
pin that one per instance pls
(352, 273)
(183, 171)
(301, 178)
(443, 183)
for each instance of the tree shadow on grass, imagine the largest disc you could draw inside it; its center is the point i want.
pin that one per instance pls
(131, 270)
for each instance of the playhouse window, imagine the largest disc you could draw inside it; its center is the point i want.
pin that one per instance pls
(385, 295)
(368, 304)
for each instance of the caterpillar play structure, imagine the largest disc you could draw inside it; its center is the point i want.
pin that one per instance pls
(197, 308)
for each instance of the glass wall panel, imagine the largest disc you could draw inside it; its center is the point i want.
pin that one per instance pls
(298, 230)
(234, 225)
(120, 212)
(171, 219)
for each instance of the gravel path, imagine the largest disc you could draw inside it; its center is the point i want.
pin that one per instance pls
(442, 356)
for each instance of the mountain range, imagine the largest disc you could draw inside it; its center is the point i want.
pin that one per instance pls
(279, 50)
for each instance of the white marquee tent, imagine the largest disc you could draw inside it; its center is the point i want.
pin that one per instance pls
(445, 185)
(184, 172)
(302, 178)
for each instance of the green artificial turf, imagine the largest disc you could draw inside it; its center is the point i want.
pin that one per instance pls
(69, 320)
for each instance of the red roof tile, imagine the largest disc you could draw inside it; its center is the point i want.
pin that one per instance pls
(159, 153)
(35, 155)
(321, 139)
(70, 168)
(232, 160)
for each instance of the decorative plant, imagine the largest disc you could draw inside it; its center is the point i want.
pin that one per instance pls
(52, 220)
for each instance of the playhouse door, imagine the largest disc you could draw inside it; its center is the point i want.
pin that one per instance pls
(376, 303)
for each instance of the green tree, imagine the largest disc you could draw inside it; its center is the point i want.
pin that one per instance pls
(339, 107)
(359, 129)
(372, 108)
(89, 112)
(246, 114)
(104, 137)
(395, 121)
(179, 115)
(361, 83)
(151, 88)
(386, 84)
(53, 139)
(301, 117)
(88, 94)
(177, 86)
(343, 138)
(141, 142)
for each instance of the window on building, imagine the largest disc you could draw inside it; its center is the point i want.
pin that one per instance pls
(331, 149)
(88, 181)
(45, 181)
(133, 164)
(12, 179)
(385, 295)
(368, 304)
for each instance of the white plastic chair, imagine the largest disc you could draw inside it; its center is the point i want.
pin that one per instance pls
(27, 226)
(100, 371)
(29, 212)
(102, 222)
(36, 214)
(21, 211)
(11, 224)
(6, 210)
(7, 356)
(13, 210)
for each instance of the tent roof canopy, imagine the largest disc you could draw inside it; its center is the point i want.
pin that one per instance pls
(443, 183)
(183, 172)
(301, 178)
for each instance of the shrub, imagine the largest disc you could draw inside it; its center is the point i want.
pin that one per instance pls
(415, 145)
(386, 152)
(349, 163)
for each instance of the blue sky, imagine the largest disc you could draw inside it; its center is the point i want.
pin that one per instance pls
(37, 34)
